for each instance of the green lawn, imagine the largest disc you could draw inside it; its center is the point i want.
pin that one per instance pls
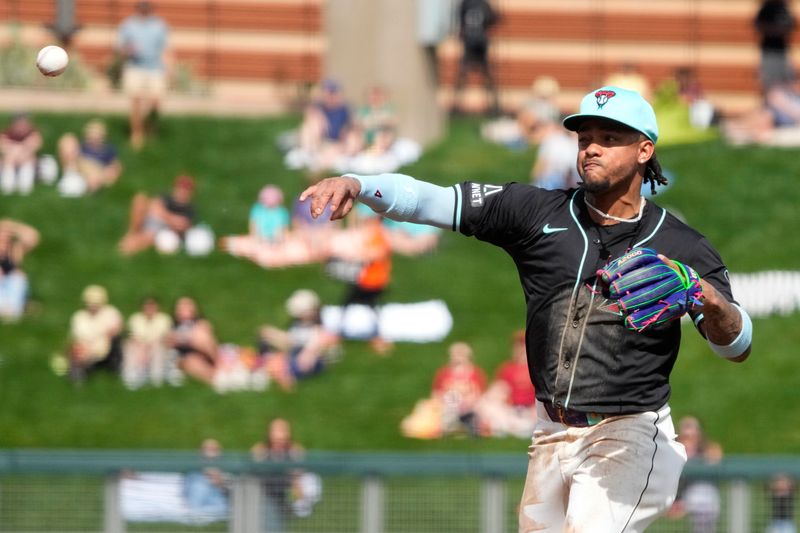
(745, 200)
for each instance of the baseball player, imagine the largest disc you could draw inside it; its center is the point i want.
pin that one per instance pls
(605, 274)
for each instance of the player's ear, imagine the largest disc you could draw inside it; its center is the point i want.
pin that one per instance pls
(646, 150)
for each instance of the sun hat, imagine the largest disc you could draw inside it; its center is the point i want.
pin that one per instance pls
(94, 295)
(620, 105)
(302, 302)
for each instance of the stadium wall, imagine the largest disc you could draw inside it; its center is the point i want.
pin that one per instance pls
(276, 48)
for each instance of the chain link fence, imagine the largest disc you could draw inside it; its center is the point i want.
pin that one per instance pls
(171, 492)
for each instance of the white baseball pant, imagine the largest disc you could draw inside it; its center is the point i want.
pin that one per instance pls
(617, 476)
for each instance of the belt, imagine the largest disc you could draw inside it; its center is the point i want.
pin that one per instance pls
(571, 417)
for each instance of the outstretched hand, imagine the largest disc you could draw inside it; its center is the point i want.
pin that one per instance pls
(338, 192)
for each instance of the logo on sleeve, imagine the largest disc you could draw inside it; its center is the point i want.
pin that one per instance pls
(478, 193)
(548, 230)
(378, 193)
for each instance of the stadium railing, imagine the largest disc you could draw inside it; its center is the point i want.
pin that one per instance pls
(90, 490)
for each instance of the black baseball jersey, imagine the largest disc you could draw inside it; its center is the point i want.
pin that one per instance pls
(580, 354)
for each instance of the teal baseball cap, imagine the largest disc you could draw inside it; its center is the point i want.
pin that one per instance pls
(620, 105)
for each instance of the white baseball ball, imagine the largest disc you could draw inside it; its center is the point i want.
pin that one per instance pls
(52, 60)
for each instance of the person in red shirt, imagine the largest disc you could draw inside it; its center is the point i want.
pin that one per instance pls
(507, 407)
(457, 387)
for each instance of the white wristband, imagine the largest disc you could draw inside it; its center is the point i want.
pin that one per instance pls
(740, 343)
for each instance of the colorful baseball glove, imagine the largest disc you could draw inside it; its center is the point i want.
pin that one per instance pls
(648, 291)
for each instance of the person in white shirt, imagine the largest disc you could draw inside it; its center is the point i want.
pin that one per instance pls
(145, 351)
(95, 335)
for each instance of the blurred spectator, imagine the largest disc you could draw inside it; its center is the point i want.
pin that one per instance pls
(87, 164)
(269, 219)
(192, 337)
(327, 132)
(145, 350)
(781, 111)
(142, 41)
(376, 114)
(476, 18)
(507, 406)
(782, 497)
(689, 88)
(19, 144)
(16, 240)
(697, 498)
(457, 387)
(775, 25)
(366, 143)
(630, 77)
(411, 239)
(291, 491)
(316, 232)
(362, 258)
(271, 243)
(206, 491)
(326, 120)
(701, 111)
(539, 108)
(95, 333)
(555, 166)
(161, 220)
(299, 351)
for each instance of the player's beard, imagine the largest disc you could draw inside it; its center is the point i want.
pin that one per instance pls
(595, 184)
(599, 181)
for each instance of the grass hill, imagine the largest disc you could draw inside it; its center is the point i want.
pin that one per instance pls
(744, 199)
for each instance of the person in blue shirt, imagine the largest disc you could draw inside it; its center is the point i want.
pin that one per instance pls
(142, 42)
(269, 218)
(92, 160)
(327, 119)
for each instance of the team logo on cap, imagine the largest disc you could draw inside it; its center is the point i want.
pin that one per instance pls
(603, 97)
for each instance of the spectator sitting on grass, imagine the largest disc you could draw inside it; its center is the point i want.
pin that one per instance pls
(457, 387)
(326, 120)
(145, 351)
(507, 406)
(300, 350)
(167, 215)
(555, 159)
(269, 219)
(361, 256)
(88, 164)
(780, 111)
(19, 144)
(16, 240)
(376, 114)
(540, 107)
(268, 226)
(193, 339)
(322, 136)
(95, 333)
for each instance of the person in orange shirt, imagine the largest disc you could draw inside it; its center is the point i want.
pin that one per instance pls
(363, 258)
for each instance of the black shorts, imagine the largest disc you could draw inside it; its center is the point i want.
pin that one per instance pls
(360, 296)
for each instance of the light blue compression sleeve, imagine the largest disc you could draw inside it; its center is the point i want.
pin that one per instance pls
(403, 198)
